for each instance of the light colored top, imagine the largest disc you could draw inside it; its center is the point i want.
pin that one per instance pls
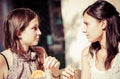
(112, 73)
(21, 69)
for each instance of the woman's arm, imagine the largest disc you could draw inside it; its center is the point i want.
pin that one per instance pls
(3, 68)
(85, 73)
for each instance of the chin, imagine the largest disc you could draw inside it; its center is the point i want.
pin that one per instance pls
(90, 40)
(36, 43)
(93, 41)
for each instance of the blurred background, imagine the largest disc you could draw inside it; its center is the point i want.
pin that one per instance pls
(61, 26)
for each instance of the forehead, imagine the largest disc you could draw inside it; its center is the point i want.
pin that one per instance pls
(88, 18)
(34, 21)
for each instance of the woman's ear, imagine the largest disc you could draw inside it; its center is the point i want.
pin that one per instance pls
(18, 34)
(104, 24)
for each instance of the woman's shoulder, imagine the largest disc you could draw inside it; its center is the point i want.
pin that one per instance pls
(119, 47)
(85, 51)
(117, 58)
(6, 52)
(2, 60)
(119, 51)
(8, 55)
(3, 65)
(86, 54)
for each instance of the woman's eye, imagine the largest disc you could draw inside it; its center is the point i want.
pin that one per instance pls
(35, 28)
(86, 23)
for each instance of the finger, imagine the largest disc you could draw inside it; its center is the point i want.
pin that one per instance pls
(44, 58)
(65, 74)
(69, 71)
(47, 62)
(50, 62)
(53, 62)
(64, 77)
(57, 64)
(70, 68)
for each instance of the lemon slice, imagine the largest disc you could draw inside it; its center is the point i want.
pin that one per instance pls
(38, 74)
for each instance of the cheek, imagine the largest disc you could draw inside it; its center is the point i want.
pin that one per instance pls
(97, 35)
(30, 36)
(33, 34)
(94, 33)
(94, 28)
(91, 30)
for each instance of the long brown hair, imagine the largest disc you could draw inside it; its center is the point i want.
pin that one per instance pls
(103, 10)
(16, 22)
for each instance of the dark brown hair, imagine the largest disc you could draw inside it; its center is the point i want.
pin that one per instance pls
(101, 10)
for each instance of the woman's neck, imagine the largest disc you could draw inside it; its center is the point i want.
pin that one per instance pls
(26, 49)
(103, 41)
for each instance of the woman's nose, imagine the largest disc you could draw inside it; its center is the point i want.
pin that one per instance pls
(84, 29)
(39, 32)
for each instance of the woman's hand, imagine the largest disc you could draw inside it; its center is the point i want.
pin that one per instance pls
(53, 65)
(68, 73)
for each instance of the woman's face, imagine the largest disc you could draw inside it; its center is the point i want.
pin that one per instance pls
(30, 36)
(92, 28)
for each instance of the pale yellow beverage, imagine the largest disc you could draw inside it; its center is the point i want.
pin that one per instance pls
(38, 74)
